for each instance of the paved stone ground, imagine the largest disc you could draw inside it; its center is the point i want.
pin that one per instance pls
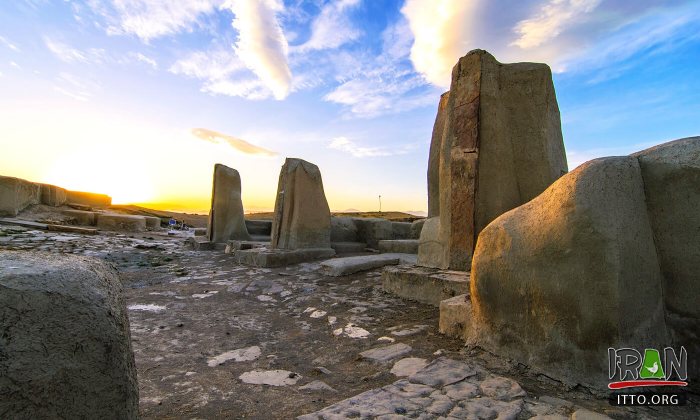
(213, 339)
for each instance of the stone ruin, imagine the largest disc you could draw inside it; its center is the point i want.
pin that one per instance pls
(496, 144)
(226, 218)
(302, 217)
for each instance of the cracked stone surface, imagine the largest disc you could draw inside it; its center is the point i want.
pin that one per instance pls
(213, 339)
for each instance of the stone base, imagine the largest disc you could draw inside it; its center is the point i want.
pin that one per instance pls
(263, 257)
(233, 246)
(403, 246)
(201, 243)
(337, 267)
(82, 218)
(348, 247)
(455, 316)
(423, 284)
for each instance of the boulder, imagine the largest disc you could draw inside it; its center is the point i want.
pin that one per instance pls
(65, 351)
(500, 146)
(560, 279)
(121, 222)
(88, 199)
(226, 217)
(343, 229)
(16, 195)
(82, 218)
(52, 195)
(302, 217)
(671, 174)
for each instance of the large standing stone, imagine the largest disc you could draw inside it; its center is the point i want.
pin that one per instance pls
(501, 145)
(226, 218)
(560, 279)
(65, 350)
(302, 217)
(52, 195)
(16, 195)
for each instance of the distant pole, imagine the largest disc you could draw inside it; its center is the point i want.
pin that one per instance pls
(380, 204)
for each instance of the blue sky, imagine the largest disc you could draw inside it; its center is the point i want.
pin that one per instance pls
(139, 98)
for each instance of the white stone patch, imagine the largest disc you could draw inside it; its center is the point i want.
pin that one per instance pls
(163, 293)
(265, 298)
(408, 366)
(409, 331)
(309, 309)
(285, 293)
(205, 295)
(240, 355)
(146, 308)
(270, 377)
(386, 339)
(332, 320)
(352, 331)
(318, 314)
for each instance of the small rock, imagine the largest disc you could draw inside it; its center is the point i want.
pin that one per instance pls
(583, 414)
(387, 353)
(442, 372)
(317, 386)
(408, 366)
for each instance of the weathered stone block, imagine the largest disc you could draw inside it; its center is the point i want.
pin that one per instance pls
(402, 246)
(348, 247)
(280, 257)
(259, 227)
(373, 230)
(152, 222)
(52, 195)
(494, 114)
(349, 265)
(88, 199)
(65, 351)
(343, 229)
(302, 216)
(82, 218)
(121, 222)
(423, 284)
(400, 230)
(226, 217)
(416, 228)
(16, 195)
(455, 316)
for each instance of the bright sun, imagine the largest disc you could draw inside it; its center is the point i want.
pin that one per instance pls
(124, 178)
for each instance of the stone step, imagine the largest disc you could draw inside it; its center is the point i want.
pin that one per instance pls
(348, 247)
(269, 258)
(404, 246)
(348, 265)
(423, 284)
(455, 316)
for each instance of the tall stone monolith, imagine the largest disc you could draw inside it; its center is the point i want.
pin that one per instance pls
(499, 139)
(302, 217)
(226, 218)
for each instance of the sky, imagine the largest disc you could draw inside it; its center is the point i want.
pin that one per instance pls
(140, 98)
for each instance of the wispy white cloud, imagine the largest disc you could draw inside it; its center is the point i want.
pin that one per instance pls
(386, 83)
(81, 89)
(142, 58)
(261, 44)
(9, 44)
(554, 17)
(566, 34)
(332, 27)
(150, 19)
(236, 143)
(221, 73)
(354, 149)
(69, 54)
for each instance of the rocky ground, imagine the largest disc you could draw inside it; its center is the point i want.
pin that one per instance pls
(216, 340)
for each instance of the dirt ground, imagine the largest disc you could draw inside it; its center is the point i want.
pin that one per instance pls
(199, 322)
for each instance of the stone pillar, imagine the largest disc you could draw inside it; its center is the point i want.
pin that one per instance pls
(65, 350)
(434, 158)
(302, 217)
(226, 218)
(501, 146)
